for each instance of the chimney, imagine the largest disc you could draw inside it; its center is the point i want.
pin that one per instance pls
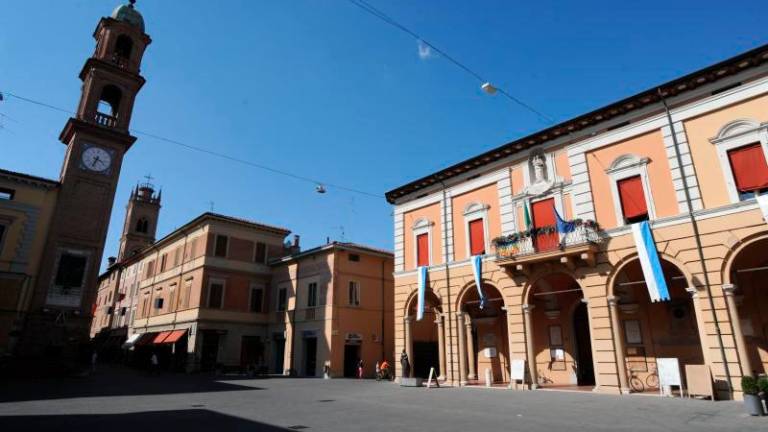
(111, 261)
(296, 241)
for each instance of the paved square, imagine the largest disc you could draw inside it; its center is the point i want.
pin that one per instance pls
(122, 400)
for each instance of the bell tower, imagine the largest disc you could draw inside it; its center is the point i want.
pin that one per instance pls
(141, 216)
(97, 138)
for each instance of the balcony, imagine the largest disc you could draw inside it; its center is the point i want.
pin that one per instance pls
(521, 250)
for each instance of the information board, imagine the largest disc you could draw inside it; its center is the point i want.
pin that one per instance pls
(669, 372)
(517, 370)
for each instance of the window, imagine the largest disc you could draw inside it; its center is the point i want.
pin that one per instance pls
(142, 225)
(632, 199)
(750, 171)
(123, 47)
(422, 250)
(150, 268)
(260, 255)
(7, 194)
(215, 294)
(159, 303)
(257, 298)
(71, 271)
(312, 295)
(282, 299)
(177, 256)
(476, 237)
(163, 262)
(354, 293)
(221, 246)
(172, 298)
(354, 257)
(185, 293)
(122, 311)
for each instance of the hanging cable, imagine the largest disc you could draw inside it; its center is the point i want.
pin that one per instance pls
(318, 183)
(367, 7)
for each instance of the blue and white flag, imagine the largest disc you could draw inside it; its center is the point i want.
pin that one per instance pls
(649, 261)
(477, 269)
(422, 289)
(563, 227)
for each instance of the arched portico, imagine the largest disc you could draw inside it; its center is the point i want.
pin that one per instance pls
(557, 328)
(425, 338)
(644, 330)
(483, 335)
(744, 283)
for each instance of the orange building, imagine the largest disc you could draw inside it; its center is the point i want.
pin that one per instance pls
(223, 292)
(573, 304)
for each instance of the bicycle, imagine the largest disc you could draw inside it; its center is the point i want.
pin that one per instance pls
(635, 382)
(652, 380)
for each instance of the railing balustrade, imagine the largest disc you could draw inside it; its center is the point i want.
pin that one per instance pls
(105, 120)
(546, 240)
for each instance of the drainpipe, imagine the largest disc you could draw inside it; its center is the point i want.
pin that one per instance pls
(447, 281)
(383, 308)
(697, 237)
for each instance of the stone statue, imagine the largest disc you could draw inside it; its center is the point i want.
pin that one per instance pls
(405, 364)
(539, 169)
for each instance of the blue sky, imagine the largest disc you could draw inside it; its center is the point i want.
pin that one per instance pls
(326, 91)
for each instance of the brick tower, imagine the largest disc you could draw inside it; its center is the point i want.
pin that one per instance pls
(141, 216)
(97, 138)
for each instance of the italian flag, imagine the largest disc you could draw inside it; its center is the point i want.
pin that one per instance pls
(527, 215)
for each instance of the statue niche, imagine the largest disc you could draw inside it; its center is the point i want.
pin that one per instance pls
(540, 178)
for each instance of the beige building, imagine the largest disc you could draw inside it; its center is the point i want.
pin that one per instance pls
(573, 303)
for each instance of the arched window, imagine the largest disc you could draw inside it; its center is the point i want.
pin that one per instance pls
(109, 102)
(742, 146)
(123, 47)
(142, 225)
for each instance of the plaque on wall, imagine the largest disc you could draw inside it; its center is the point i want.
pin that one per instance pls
(632, 332)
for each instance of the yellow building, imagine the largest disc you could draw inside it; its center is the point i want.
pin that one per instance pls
(571, 301)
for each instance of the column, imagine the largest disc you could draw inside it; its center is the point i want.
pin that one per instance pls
(462, 350)
(470, 349)
(441, 346)
(741, 346)
(408, 344)
(528, 319)
(618, 344)
(694, 292)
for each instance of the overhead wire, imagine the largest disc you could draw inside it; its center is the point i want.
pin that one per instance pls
(210, 152)
(372, 10)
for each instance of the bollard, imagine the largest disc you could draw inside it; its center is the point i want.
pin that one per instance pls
(487, 377)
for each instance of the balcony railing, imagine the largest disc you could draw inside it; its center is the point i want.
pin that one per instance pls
(309, 314)
(105, 120)
(547, 240)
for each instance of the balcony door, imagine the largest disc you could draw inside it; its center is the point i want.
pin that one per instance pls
(544, 215)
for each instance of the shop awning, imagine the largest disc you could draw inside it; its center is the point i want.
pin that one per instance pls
(145, 339)
(174, 336)
(160, 337)
(131, 341)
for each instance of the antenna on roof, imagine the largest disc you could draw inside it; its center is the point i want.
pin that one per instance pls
(210, 205)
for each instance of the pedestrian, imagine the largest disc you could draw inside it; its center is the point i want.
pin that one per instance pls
(153, 363)
(385, 369)
(360, 369)
(94, 359)
(378, 371)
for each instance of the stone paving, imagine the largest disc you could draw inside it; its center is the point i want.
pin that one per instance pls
(121, 399)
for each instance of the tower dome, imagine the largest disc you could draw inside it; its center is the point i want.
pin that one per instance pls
(128, 13)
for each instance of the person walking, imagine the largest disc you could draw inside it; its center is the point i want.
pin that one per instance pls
(154, 364)
(378, 371)
(360, 369)
(94, 360)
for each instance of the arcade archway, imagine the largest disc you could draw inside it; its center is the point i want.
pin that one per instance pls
(483, 344)
(651, 330)
(559, 339)
(425, 338)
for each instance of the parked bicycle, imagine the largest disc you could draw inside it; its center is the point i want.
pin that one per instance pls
(638, 385)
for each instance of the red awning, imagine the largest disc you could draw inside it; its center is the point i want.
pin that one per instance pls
(160, 337)
(145, 339)
(174, 336)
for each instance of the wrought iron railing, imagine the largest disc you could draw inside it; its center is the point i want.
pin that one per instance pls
(546, 239)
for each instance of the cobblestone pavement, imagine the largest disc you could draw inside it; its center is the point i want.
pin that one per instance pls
(122, 399)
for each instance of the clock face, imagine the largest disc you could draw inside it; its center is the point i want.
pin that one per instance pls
(96, 159)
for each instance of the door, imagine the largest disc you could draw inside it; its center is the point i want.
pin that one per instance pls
(210, 350)
(585, 372)
(251, 351)
(544, 216)
(279, 347)
(351, 356)
(310, 356)
(425, 356)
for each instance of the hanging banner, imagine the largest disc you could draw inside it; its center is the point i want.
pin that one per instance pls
(649, 261)
(762, 201)
(477, 269)
(422, 289)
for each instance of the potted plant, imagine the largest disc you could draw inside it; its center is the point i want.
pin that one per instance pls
(752, 401)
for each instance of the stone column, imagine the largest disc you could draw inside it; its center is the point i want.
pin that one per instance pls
(441, 345)
(408, 344)
(738, 334)
(527, 311)
(618, 344)
(462, 350)
(694, 292)
(470, 349)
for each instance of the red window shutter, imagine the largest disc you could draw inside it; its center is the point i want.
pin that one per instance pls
(543, 216)
(632, 197)
(476, 237)
(422, 250)
(749, 167)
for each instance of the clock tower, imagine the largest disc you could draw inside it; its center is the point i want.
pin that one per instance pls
(97, 138)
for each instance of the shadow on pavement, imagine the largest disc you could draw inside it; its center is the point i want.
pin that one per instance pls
(115, 381)
(187, 420)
